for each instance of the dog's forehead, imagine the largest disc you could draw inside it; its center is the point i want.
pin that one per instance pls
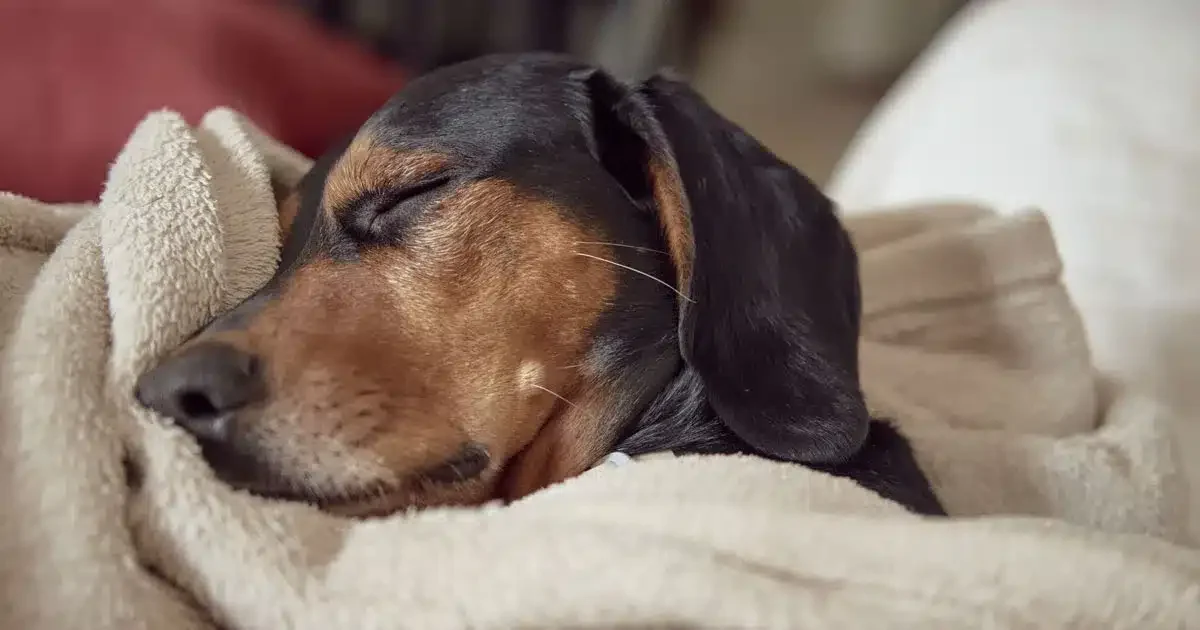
(522, 120)
(485, 105)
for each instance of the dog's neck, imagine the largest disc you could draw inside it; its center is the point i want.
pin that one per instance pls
(680, 419)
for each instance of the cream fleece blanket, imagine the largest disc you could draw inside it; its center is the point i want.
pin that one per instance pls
(1065, 497)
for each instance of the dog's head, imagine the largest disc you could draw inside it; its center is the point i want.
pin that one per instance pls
(487, 288)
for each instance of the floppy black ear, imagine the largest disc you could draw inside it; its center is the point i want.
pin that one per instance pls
(770, 321)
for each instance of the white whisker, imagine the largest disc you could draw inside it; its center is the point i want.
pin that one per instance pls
(552, 393)
(639, 272)
(637, 247)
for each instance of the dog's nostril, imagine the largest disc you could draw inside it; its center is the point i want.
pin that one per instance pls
(203, 387)
(139, 394)
(253, 367)
(197, 405)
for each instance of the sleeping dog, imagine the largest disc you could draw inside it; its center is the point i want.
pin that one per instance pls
(518, 266)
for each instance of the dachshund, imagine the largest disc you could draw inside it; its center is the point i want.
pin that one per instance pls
(518, 266)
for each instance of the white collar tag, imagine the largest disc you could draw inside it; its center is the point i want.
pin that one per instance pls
(615, 459)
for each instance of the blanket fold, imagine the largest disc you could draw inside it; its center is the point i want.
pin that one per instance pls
(1066, 505)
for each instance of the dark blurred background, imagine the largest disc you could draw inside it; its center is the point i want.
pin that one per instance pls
(800, 74)
(631, 38)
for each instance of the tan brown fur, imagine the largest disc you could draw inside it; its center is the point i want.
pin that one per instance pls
(367, 166)
(389, 365)
(289, 207)
(571, 442)
(671, 203)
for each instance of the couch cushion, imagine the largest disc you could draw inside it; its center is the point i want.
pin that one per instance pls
(80, 74)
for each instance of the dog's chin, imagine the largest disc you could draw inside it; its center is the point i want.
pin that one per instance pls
(379, 501)
(370, 500)
(378, 507)
(375, 504)
(460, 495)
(462, 479)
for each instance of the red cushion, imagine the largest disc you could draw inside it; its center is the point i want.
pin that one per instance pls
(79, 74)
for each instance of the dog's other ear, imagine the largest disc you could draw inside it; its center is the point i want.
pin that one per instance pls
(770, 317)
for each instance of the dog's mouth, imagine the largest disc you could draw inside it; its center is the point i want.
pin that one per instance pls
(379, 498)
(376, 501)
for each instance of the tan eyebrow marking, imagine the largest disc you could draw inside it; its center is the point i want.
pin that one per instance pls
(289, 207)
(368, 165)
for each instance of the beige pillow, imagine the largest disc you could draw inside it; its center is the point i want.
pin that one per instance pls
(1088, 110)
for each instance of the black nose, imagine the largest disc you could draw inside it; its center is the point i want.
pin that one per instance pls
(202, 387)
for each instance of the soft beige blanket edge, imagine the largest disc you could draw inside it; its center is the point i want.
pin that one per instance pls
(1065, 496)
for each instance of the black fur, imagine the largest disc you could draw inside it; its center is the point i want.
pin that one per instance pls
(769, 340)
(771, 326)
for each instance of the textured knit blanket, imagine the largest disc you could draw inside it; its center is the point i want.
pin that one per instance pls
(1066, 510)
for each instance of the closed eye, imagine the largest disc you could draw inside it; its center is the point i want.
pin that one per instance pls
(383, 215)
(407, 193)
